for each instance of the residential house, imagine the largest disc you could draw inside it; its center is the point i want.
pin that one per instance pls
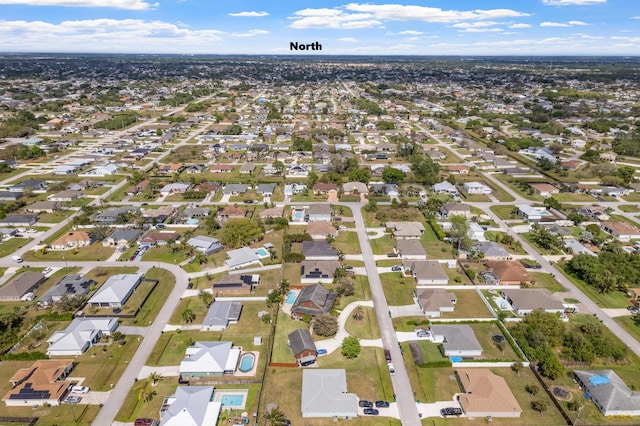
(594, 212)
(115, 291)
(266, 189)
(233, 284)
(10, 196)
(235, 189)
(324, 188)
(406, 230)
(313, 300)
(43, 207)
(190, 405)
(490, 250)
(158, 215)
(209, 359)
(532, 213)
(42, 384)
(204, 244)
(231, 212)
(221, 168)
(242, 257)
(434, 301)
(170, 169)
(476, 232)
(303, 347)
(21, 286)
(152, 239)
(29, 185)
(72, 285)
(622, 231)
(320, 213)
(410, 249)
(247, 168)
(80, 335)
(318, 271)
(195, 212)
(486, 395)
(319, 250)
(19, 220)
(609, 156)
(609, 392)
(508, 272)
(273, 213)
(525, 300)
(321, 230)
(113, 214)
(426, 272)
(220, 315)
(292, 188)
(458, 169)
(121, 238)
(544, 189)
(445, 187)
(66, 196)
(174, 188)
(459, 340)
(355, 188)
(196, 169)
(75, 239)
(324, 394)
(451, 209)
(476, 188)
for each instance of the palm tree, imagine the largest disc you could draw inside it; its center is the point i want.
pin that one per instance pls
(206, 297)
(146, 395)
(187, 315)
(156, 378)
(275, 417)
(358, 313)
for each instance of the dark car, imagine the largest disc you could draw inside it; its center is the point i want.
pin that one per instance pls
(451, 411)
(371, 412)
(387, 355)
(145, 422)
(382, 404)
(365, 404)
(396, 268)
(392, 254)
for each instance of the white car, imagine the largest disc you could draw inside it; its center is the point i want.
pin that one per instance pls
(79, 389)
(392, 370)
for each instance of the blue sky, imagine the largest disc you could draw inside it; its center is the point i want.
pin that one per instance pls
(421, 27)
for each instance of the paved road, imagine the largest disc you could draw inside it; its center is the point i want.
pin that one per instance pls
(401, 384)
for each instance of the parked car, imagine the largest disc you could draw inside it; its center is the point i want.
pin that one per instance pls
(365, 404)
(371, 412)
(396, 268)
(145, 422)
(322, 351)
(348, 267)
(392, 254)
(382, 404)
(451, 411)
(350, 272)
(421, 333)
(387, 355)
(72, 399)
(392, 370)
(79, 389)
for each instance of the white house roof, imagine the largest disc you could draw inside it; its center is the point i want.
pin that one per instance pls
(202, 241)
(80, 332)
(324, 393)
(241, 256)
(191, 406)
(210, 357)
(116, 288)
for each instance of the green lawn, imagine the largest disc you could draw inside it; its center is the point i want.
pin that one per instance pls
(434, 248)
(490, 350)
(170, 348)
(629, 208)
(134, 407)
(281, 351)
(11, 245)
(614, 299)
(367, 328)
(361, 291)
(398, 290)
(503, 212)
(382, 245)
(55, 217)
(347, 242)
(545, 280)
(627, 323)
(95, 251)
(468, 305)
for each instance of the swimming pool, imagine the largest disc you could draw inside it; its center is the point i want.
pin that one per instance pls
(291, 297)
(298, 215)
(262, 252)
(231, 398)
(192, 221)
(246, 362)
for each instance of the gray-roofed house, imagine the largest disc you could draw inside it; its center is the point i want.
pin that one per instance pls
(241, 258)
(112, 214)
(608, 392)
(20, 287)
(220, 315)
(19, 220)
(72, 285)
(459, 340)
(10, 196)
(235, 189)
(29, 185)
(121, 238)
(410, 250)
(426, 272)
(313, 300)
(204, 244)
(266, 189)
(406, 230)
(318, 271)
(324, 394)
(80, 335)
(455, 209)
(190, 405)
(235, 284)
(115, 291)
(43, 207)
(207, 359)
(320, 213)
(303, 347)
(492, 251)
(319, 250)
(525, 300)
(434, 301)
(445, 187)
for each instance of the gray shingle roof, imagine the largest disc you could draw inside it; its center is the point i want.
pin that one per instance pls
(300, 340)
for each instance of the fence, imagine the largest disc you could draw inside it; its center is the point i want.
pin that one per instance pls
(25, 420)
(550, 395)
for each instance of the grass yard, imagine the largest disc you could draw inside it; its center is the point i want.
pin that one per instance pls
(102, 366)
(347, 242)
(391, 214)
(627, 323)
(614, 299)
(134, 407)
(629, 208)
(468, 305)
(11, 245)
(154, 303)
(490, 350)
(367, 328)
(398, 290)
(281, 351)
(503, 212)
(171, 345)
(100, 275)
(435, 248)
(361, 291)
(382, 245)
(95, 251)
(56, 217)
(544, 280)
(570, 197)
(164, 254)
(195, 304)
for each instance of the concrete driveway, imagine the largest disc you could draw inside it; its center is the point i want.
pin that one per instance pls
(405, 311)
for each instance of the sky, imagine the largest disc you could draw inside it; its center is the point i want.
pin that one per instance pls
(421, 27)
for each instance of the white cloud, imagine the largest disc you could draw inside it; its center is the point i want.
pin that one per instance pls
(250, 33)
(115, 4)
(520, 26)
(629, 39)
(572, 2)
(410, 32)
(478, 24)
(563, 24)
(356, 15)
(349, 40)
(251, 14)
(482, 30)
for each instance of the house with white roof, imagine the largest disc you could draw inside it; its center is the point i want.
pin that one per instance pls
(445, 187)
(80, 335)
(242, 257)
(115, 291)
(206, 359)
(190, 406)
(220, 315)
(204, 244)
(476, 188)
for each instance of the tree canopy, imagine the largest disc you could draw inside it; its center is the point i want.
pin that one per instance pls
(240, 232)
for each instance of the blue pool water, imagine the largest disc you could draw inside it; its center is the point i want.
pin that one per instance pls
(291, 297)
(298, 215)
(456, 359)
(262, 252)
(246, 363)
(192, 221)
(232, 400)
